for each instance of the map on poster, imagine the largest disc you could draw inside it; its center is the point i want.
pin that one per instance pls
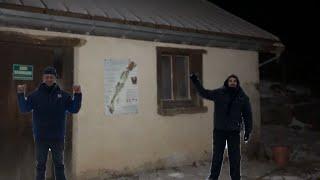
(120, 86)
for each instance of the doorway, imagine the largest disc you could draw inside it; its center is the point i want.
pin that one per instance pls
(17, 144)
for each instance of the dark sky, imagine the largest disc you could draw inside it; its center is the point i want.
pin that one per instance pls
(294, 23)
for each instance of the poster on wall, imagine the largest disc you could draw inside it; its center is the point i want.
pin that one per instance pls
(120, 86)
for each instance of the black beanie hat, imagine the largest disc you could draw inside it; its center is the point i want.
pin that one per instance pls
(50, 70)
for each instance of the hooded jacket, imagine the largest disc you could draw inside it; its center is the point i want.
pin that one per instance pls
(49, 106)
(232, 106)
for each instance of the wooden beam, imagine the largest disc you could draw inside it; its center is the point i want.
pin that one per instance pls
(22, 38)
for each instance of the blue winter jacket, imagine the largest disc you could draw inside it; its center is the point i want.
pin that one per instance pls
(49, 106)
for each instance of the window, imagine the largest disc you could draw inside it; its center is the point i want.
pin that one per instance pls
(176, 94)
(174, 77)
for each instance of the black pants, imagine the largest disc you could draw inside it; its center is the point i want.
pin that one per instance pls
(219, 142)
(42, 149)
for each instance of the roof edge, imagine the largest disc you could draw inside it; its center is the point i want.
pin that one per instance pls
(120, 21)
(98, 27)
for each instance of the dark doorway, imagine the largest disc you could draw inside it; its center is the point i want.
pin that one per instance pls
(17, 144)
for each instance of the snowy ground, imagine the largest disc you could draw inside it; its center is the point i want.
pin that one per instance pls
(250, 171)
(304, 163)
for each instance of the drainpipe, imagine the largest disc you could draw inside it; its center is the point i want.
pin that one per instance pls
(277, 53)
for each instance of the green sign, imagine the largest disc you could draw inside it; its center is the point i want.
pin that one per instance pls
(22, 72)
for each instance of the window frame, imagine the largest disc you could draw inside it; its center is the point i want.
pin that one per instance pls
(194, 104)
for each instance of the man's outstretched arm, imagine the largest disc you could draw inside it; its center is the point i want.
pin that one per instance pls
(74, 104)
(25, 103)
(208, 94)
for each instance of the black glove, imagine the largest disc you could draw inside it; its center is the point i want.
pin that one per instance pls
(246, 137)
(193, 77)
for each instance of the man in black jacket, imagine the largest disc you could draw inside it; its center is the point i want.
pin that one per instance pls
(49, 105)
(232, 106)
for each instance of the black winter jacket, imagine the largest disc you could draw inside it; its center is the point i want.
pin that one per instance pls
(231, 109)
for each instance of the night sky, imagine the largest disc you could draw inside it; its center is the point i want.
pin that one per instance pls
(294, 23)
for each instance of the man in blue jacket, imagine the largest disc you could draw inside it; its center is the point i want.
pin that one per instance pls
(49, 105)
(232, 107)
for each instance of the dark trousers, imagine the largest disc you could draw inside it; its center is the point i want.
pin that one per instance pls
(42, 149)
(219, 143)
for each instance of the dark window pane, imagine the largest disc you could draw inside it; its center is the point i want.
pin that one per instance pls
(166, 81)
(181, 80)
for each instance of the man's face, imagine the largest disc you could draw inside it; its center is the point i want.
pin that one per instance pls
(232, 82)
(48, 79)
